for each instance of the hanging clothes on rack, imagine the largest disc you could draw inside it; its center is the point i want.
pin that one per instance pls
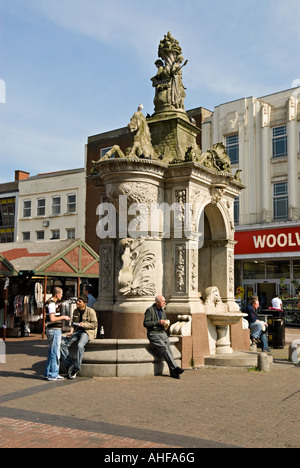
(19, 306)
(26, 308)
(39, 297)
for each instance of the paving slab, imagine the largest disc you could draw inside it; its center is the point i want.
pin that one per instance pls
(208, 407)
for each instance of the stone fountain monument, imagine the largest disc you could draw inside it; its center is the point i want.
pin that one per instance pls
(166, 227)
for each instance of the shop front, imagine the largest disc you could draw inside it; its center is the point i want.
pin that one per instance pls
(28, 273)
(267, 263)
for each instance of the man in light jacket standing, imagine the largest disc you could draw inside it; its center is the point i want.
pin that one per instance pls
(155, 322)
(84, 329)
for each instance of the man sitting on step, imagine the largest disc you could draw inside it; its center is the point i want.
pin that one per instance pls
(155, 321)
(84, 329)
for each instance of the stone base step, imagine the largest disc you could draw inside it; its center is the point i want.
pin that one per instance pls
(125, 358)
(236, 359)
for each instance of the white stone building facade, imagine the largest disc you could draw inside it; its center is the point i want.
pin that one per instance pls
(261, 136)
(52, 206)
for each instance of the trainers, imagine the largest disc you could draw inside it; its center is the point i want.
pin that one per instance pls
(56, 379)
(72, 374)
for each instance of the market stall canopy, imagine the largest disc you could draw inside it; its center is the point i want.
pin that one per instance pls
(6, 268)
(69, 258)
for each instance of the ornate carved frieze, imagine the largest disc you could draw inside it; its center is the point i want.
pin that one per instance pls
(180, 268)
(217, 193)
(180, 199)
(230, 270)
(106, 268)
(136, 192)
(137, 272)
(194, 269)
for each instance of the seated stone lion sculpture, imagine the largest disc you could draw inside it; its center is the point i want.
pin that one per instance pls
(142, 146)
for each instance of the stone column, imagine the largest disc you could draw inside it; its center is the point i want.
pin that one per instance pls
(181, 253)
(104, 304)
(131, 258)
(265, 164)
(292, 135)
(222, 270)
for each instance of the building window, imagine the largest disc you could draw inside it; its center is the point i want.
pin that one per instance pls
(55, 234)
(279, 142)
(40, 235)
(280, 200)
(6, 235)
(278, 269)
(71, 204)
(56, 206)
(254, 270)
(232, 148)
(41, 207)
(70, 233)
(7, 212)
(296, 269)
(103, 152)
(27, 209)
(26, 236)
(236, 209)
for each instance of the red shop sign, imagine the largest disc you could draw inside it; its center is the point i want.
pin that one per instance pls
(268, 241)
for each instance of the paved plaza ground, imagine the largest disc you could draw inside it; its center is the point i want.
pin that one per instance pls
(207, 408)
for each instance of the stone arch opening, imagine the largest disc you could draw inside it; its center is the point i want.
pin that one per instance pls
(212, 265)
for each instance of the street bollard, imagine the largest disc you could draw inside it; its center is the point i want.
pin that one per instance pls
(295, 351)
(2, 352)
(263, 362)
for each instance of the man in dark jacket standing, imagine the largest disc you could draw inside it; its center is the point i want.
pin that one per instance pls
(155, 321)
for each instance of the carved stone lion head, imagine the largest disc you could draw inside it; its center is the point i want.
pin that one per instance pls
(211, 296)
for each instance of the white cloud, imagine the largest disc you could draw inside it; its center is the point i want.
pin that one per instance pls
(116, 23)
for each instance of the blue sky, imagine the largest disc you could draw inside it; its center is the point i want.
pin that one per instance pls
(76, 68)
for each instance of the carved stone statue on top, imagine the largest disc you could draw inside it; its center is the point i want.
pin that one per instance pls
(142, 146)
(169, 89)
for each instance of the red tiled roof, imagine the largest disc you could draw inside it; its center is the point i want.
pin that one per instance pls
(21, 253)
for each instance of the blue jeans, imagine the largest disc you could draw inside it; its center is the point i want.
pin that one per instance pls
(256, 332)
(82, 337)
(54, 341)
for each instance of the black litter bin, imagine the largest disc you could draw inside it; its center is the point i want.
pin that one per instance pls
(276, 327)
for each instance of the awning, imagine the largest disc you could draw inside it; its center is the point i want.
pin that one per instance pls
(68, 258)
(6, 268)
